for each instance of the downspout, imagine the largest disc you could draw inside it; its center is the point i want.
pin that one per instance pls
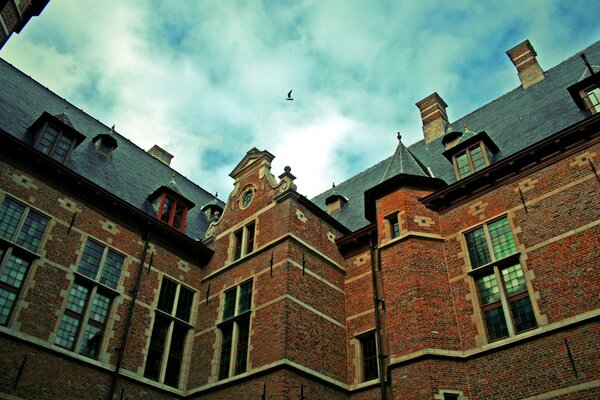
(121, 349)
(376, 302)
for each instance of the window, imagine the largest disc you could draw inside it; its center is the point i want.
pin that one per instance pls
(243, 241)
(471, 160)
(499, 278)
(235, 330)
(169, 334)
(368, 354)
(592, 100)
(84, 321)
(55, 143)
(173, 212)
(22, 230)
(393, 225)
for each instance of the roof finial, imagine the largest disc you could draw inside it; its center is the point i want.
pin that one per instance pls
(216, 194)
(399, 136)
(173, 175)
(112, 129)
(333, 185)
(65, 110)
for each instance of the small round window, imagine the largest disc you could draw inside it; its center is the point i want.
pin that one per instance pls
(247, 198)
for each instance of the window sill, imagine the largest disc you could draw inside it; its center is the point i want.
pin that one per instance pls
(20, 250)
(240, 316)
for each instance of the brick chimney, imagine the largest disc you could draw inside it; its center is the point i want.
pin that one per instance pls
(433, 115)
(523, 57)
(161, 154)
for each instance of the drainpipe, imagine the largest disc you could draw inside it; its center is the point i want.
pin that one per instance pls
(376, 302)
(121, 348)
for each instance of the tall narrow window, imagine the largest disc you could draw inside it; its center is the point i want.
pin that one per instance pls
(471, 160)
(22, 230)
(83, 323)
(169, 334)
(235, 330)
(173, 212)
(368, 353)
(55, 143)
(243, 241)
(393, 225)
(501, 285)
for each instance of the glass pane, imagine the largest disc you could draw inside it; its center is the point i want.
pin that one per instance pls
(229, 306)
(112, 269)
(32, 231)
(225, 352)
(157, 344)
(167, 208)
(10, 215)
(488, 289)
(245, 296)
(522, 313)
(369, 357)
(514, 281)
(7, 299)
(242, 347)
(478, 248)
(237, 237)
(593, 97)
(14, 271)
(48, 138)
(62, 148)
(495, 323)
(501, 236)
(77, 298)
(166, 299)
(99, 308)
(175, 355)
(477, 158)
(249, 238)
(178, 218)
(184, 304)
(90, 261)
(395, 229)
(65, 337)
(90, 344)
(462, 163)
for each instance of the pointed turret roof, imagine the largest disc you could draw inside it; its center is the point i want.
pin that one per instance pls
(403, 162)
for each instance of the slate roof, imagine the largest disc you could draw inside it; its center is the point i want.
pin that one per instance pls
(513, 121)
(130, 172)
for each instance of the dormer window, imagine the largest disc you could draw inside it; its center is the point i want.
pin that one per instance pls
(468, 151)
(586, 92)
(170, 205)
(105, 143)
(173, 212)
(55, 136)
(471, 160)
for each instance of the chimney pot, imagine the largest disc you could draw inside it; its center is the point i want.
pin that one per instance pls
(523, 56)
(433, 116)
(161, 154)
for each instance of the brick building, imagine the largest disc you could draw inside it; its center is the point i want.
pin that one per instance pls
(464, 266)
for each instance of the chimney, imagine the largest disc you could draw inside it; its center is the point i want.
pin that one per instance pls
(161, 154)
(523, 57)
(433, 115)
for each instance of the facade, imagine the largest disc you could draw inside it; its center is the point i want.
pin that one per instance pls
(464, 266)
(15, 14)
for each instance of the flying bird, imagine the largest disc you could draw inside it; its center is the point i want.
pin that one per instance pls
(290, 96)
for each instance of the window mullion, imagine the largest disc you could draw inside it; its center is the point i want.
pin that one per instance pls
(504, 302)
(488, 241)
(470, 160)
(173, 212)
(175, 300)
(20, 224)
(165, 355)
(244, 241)
(234, 341)
(56, 141)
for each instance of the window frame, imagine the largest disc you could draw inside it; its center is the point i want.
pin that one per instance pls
(60, 133)
(244, 241)
(11, 249)
(173, 322)
(362, 359)
(237, 352)
(392, 221)
(592, 108)
(495, 268)
(95, 287)
(173, 212)
(468, 152)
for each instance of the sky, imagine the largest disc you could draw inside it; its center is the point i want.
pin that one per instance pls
(207, 80)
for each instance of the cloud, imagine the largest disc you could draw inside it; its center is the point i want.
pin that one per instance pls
(207, 80)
